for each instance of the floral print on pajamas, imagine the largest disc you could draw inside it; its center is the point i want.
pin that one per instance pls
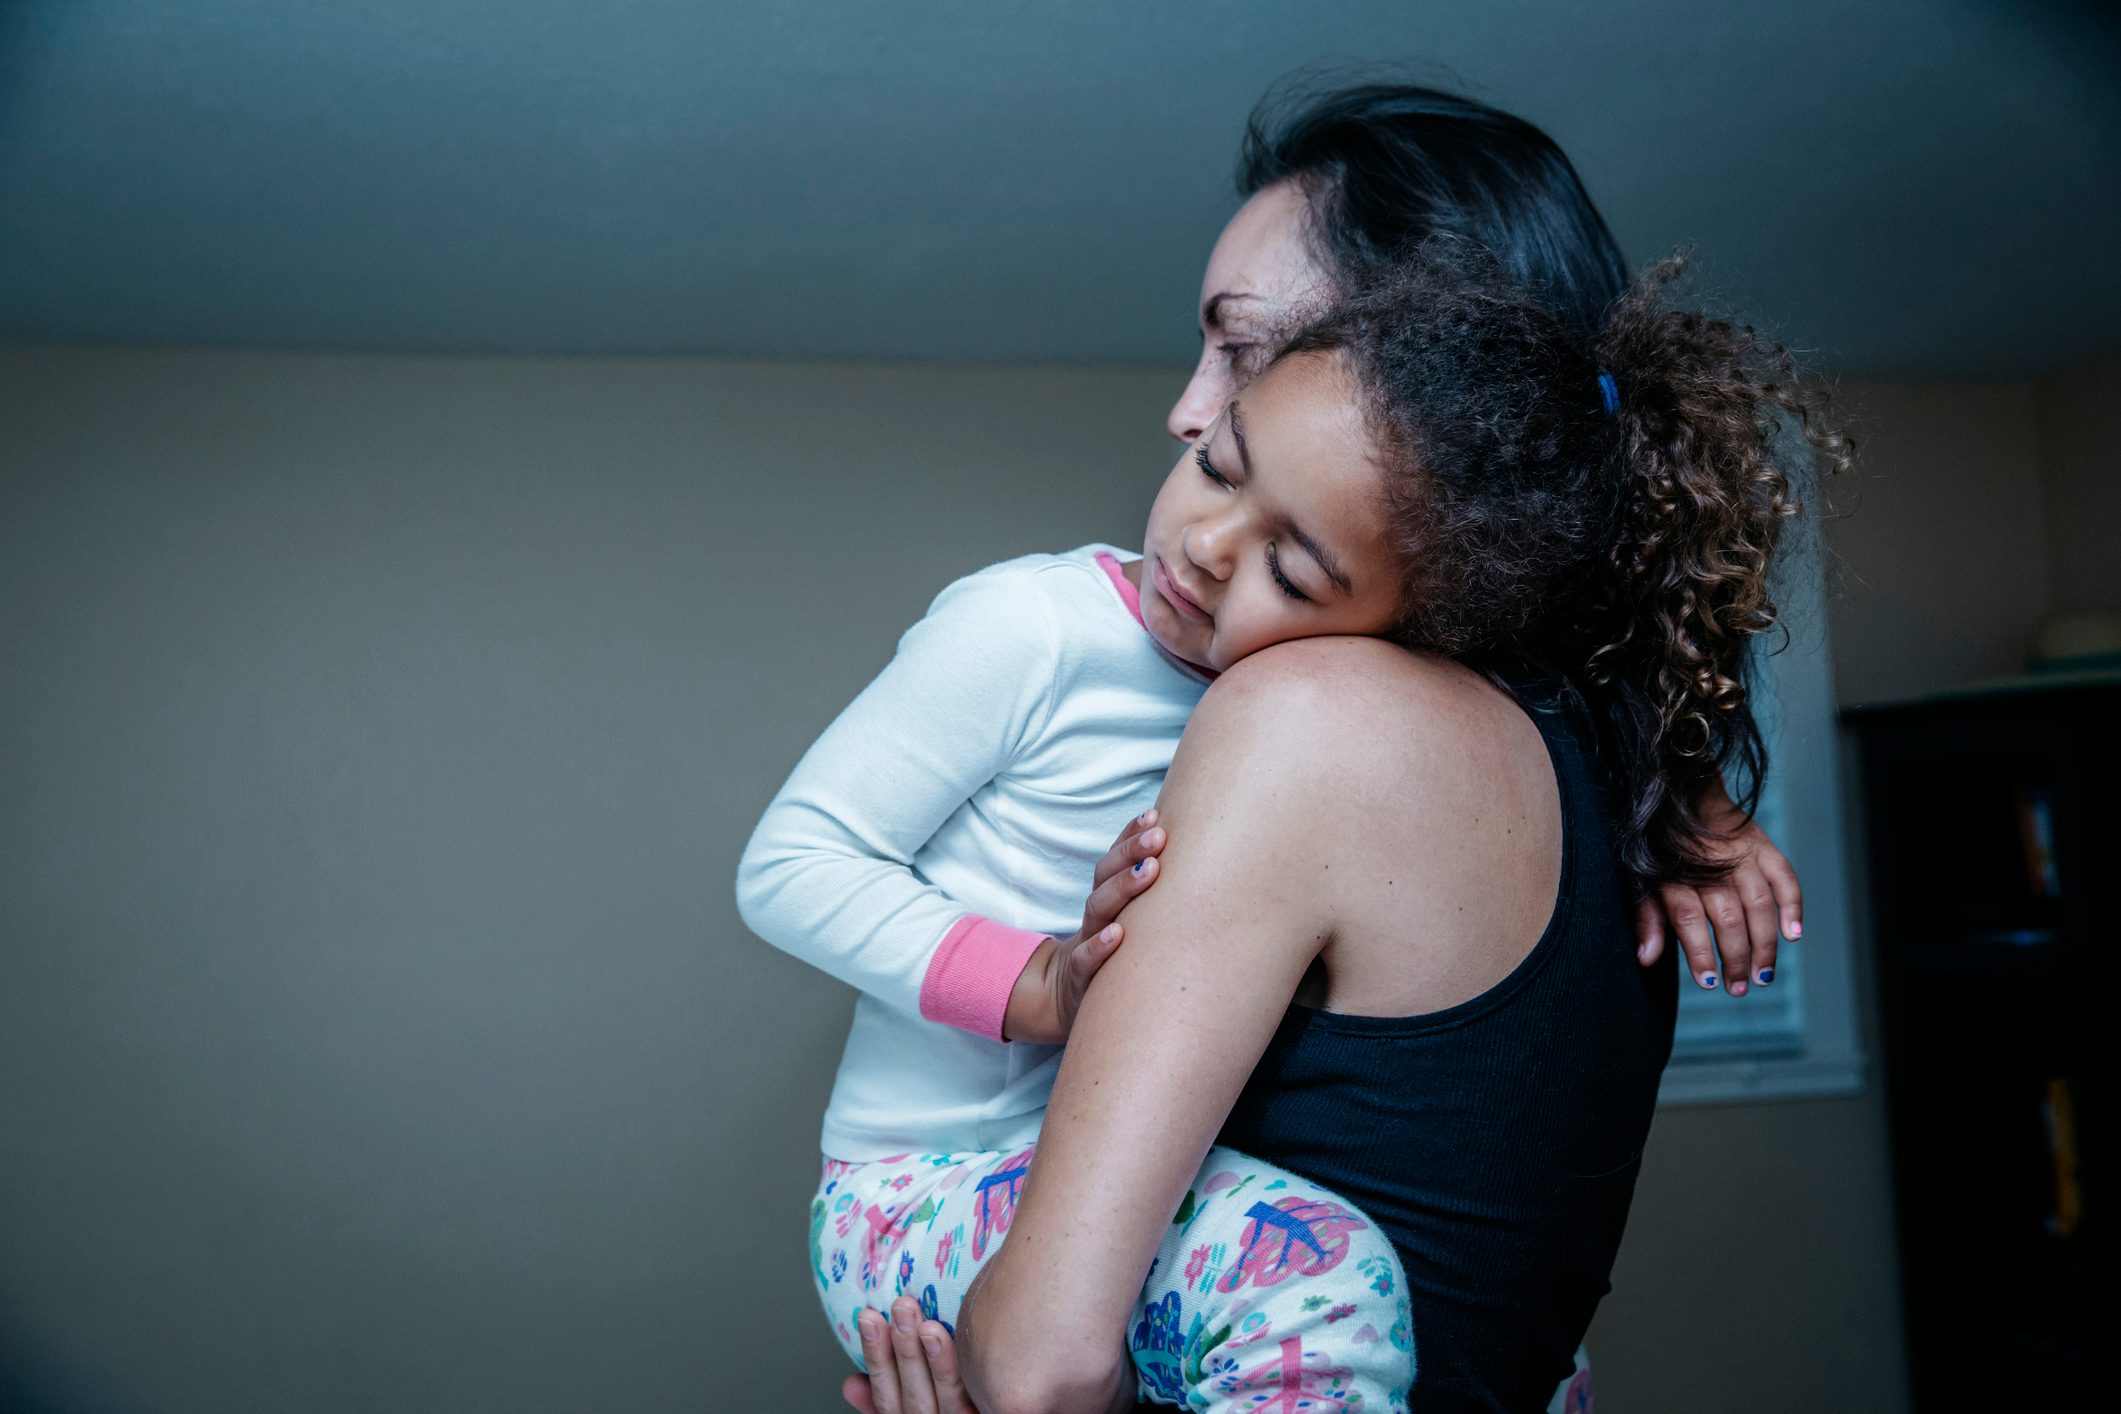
(1267, 1293)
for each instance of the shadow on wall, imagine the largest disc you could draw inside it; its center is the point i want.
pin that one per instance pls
(39, 1382)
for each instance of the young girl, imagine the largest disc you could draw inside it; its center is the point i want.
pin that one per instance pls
(933, 841)
(938, 837)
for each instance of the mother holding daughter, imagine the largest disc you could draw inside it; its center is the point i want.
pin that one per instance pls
(1352, 1118)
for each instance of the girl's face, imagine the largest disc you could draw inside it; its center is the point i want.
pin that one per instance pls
(1259, 277)
(1272, 526)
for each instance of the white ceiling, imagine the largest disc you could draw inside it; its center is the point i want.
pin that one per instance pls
(1908, 188)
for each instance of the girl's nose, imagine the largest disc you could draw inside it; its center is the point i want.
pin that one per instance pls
(1210, 541)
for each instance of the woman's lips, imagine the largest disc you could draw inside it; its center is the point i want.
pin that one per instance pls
(1176, 597)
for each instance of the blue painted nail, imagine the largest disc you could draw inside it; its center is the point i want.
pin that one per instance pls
(1138, 865)
(1708, 979)
(1767, 975)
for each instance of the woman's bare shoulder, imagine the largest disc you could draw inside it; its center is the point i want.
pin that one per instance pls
(1348, 697)
(1401, 767)
(1400, 739)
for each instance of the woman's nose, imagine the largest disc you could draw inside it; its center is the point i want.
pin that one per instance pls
(1198, 405)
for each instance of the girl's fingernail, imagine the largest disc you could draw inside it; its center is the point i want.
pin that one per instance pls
(1138, 865)
(1767, 975)
(934, 1345)
(1796, 930)
(1642, 954)
(1708, 979)
(1111, 932)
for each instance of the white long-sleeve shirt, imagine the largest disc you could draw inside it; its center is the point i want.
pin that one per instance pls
(947, 821)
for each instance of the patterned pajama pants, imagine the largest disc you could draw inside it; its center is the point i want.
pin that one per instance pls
(1268, 1293)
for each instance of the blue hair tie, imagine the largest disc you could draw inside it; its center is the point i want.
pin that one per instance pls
(1610, 391)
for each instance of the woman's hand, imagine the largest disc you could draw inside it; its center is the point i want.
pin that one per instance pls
(912, 1365)
(1753, 909)
(1043, 1003)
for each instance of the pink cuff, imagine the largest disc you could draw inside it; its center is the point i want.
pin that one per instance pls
(974, 970)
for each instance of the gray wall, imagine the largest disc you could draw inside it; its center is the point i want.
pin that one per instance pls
(1940, 565)
(2080, 463)
(377, 737)
(1978, 510)
(376, 1028)
(1759, 1274)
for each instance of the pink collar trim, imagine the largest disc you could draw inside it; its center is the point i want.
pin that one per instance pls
(1128, 594)
(1132, 598)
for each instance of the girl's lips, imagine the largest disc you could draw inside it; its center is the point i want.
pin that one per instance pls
(1175, 597)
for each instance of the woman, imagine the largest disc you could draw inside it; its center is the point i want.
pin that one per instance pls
(1276, 785)
(1337, 184)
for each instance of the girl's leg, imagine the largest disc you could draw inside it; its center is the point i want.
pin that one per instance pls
(1573, 1395)
(919, 1225)
(1270, 1293)
(1265, 1282)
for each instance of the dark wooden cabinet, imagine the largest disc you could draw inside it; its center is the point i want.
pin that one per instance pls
(1992, 839)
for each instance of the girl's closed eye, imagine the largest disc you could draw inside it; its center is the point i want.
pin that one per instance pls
(1288, 588)
(1281, 581)
(1200, 454)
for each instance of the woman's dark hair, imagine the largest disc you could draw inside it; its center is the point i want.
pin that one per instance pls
(1385, 166)
(1605, 506)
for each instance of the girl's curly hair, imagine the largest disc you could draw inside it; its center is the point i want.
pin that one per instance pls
(1604, 507)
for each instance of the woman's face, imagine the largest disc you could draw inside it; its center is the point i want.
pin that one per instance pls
(1259, 277)
(1272, 526)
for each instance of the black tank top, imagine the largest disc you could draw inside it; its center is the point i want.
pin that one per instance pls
(1497, 1141)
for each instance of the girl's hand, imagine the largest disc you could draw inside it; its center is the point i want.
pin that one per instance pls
(1042, 1006)
(912, 1365)
(1752, 910)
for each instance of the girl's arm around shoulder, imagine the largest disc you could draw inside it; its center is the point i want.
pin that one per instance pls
(1175, 1022)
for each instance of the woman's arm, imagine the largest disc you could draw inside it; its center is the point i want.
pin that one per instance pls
(1166, 1039)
